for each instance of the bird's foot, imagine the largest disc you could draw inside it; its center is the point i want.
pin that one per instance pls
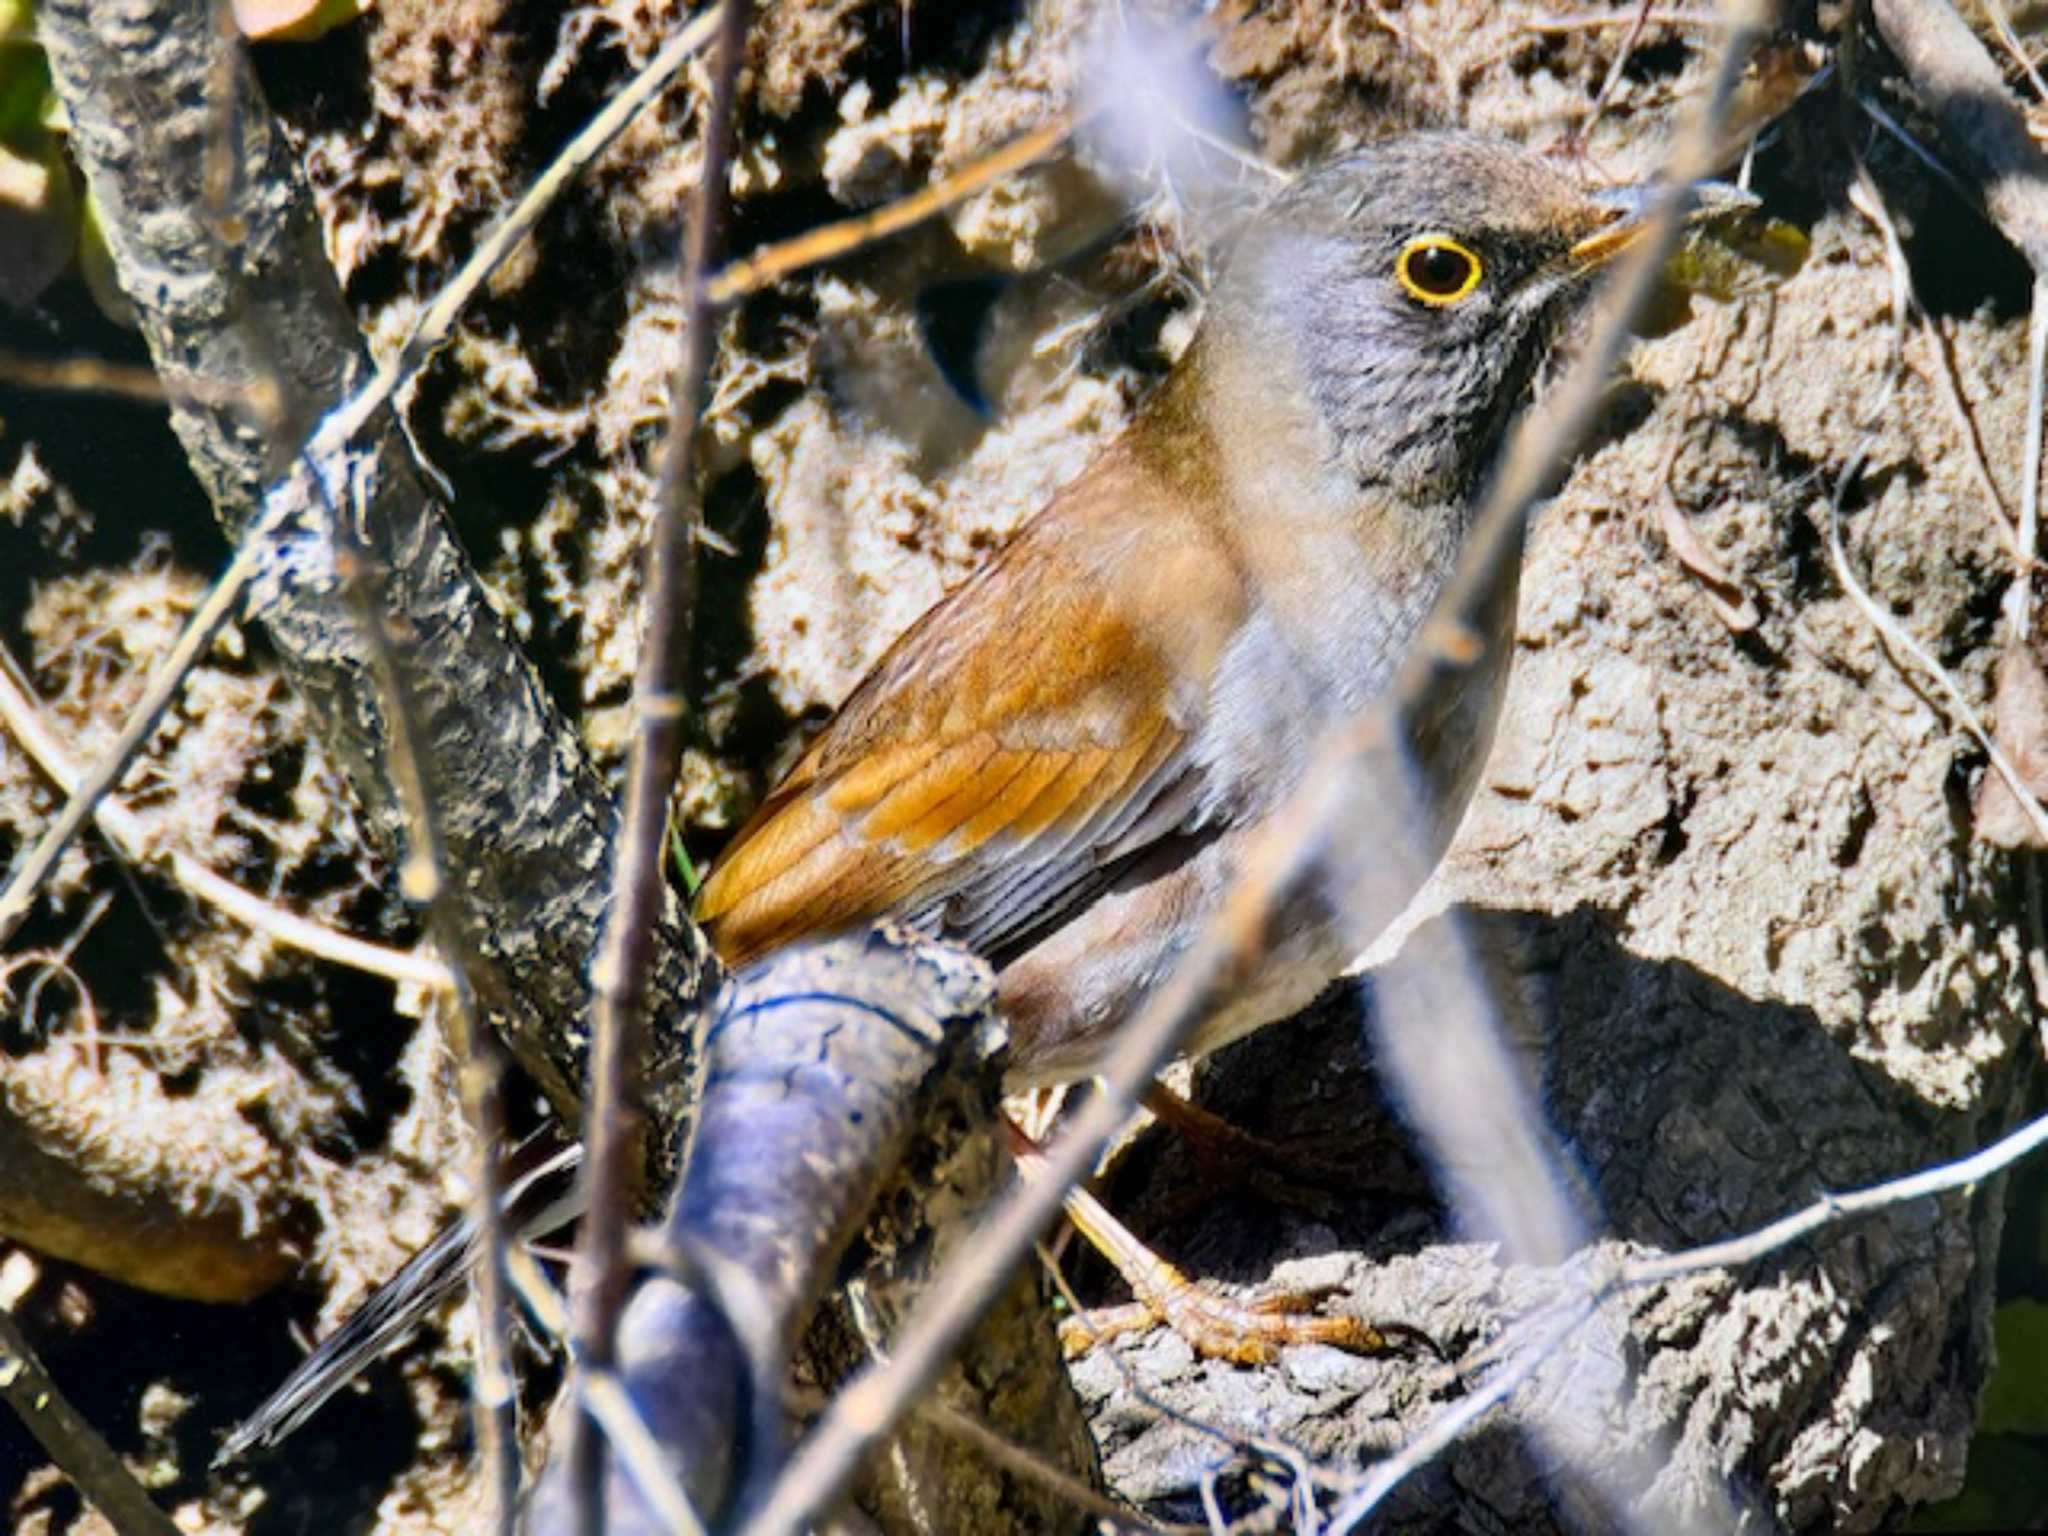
(1219, 1327)
(1215, 1325)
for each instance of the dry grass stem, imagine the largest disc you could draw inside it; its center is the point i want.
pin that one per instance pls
(23, 719)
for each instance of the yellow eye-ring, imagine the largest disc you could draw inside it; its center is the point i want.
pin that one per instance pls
(1437, 270)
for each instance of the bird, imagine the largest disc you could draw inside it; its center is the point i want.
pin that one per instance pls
(1063, 762)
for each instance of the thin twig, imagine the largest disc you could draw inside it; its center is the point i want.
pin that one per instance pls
(1896, 636)
(18, 900)
(2020, 600)
(1868, 201)
(1026, 1463)
(423, 880)
(437, 321)
(24, 720)
(1607, 20)
(620, 975)
(84, 376)
(543, 1303)
(57, 962)
(73, 1444)
(2010, 41)
(1966, 426)
(1829, 1210)
(1943, 172)
(1556, 1325)
(750, 274)
(2021, 540)
(608, 1403)
(1622, 55)
(1448, 1426)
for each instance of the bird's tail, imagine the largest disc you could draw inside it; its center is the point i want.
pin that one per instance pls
(547, 1197)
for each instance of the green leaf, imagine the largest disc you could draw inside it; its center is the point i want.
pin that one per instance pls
(2006, 1489)
(684, 867)
(25, 91)
(2016, 1401)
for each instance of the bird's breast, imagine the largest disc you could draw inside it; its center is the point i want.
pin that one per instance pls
(1327, 629)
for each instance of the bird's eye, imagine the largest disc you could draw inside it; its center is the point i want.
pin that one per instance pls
(1437, 270)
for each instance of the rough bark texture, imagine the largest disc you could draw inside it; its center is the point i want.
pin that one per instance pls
(215, 240)
(1758, 950)
(851, 1092)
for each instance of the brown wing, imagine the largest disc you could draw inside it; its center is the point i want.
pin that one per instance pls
(1015, 733)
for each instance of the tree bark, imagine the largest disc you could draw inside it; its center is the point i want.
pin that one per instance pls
(216, 242)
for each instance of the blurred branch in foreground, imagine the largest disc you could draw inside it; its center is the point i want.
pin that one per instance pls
(845, 1078)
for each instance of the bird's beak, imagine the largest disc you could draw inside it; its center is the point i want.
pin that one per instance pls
(1634, 214)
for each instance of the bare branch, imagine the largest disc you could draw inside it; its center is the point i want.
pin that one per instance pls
(101, 1476)
(824, 1063)
(423, 879)
(617, 1126)
(1981, 123)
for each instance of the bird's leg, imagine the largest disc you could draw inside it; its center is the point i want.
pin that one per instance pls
(1215, 1325)
(1308, 1175)
(1217, 1145)
(1226, 1155)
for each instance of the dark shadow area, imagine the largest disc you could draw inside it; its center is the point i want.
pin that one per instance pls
(125, 488)
(133, 1341)
(1632, 1048)
(1684, 1112)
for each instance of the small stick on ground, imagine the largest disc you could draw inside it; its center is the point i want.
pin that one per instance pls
(101, 1476)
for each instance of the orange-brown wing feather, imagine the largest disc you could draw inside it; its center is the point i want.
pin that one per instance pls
(1025, 718)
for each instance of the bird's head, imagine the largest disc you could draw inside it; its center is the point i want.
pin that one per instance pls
(1414, 289)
